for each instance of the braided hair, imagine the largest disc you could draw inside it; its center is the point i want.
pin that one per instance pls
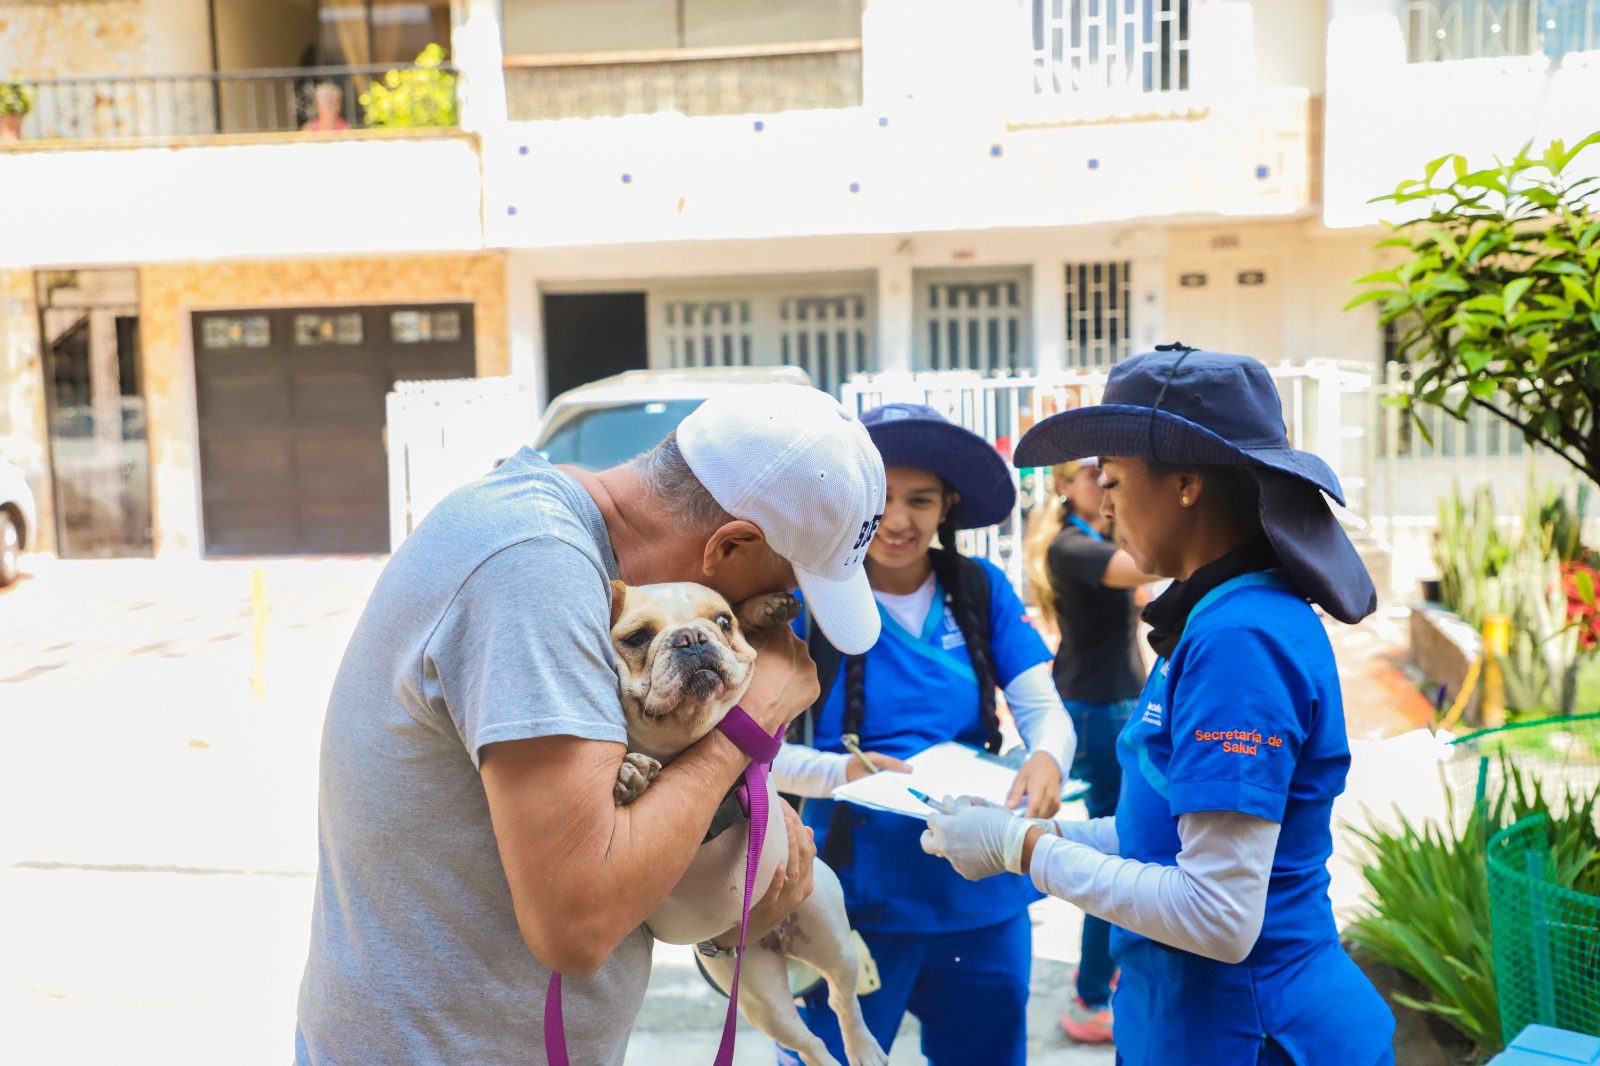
(962, 599)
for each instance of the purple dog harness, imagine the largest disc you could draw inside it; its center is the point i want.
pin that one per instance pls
(762, 748)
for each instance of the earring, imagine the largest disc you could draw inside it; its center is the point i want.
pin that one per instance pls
(1184, 500)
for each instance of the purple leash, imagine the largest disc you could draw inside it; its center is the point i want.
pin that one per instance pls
(762, 748)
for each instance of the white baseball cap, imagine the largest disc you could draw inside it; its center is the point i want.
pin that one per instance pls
(793, 461)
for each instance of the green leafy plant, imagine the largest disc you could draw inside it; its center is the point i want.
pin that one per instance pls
(421, 96)
(1498, 296)
(1532, 576)
(15, 98)
(1429, 914)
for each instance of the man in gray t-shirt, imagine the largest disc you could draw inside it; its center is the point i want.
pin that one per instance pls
(468, 839)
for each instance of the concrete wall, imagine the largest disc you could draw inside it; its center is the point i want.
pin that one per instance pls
(1387, 118)
(23, 434)
(327, 195)
(544, 26)
(168, 294)
(80, 38)
(950, 137)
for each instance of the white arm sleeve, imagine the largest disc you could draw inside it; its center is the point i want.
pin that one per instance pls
(1211, 903)
(1097, 833)
(1042, 721)
(801, 770)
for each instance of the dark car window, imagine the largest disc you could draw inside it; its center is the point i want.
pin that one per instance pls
(605, 436)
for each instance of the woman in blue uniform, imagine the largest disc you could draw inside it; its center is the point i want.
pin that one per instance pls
(1215, 865)
(954, 953)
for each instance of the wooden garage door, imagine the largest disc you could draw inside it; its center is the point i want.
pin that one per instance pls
(291, 411)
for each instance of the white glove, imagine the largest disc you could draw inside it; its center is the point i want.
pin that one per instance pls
(979, 839)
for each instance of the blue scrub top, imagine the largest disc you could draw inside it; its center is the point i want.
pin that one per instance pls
(921, 691)
(1246, 716)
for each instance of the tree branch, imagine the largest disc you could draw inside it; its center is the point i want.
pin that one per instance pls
(1529, 431)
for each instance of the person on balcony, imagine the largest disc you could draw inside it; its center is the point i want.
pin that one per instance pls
(1084, 584)
(1214, 868)
(955, 954)
(329, 99)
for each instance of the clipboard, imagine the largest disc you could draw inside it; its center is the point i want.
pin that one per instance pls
(948, 769)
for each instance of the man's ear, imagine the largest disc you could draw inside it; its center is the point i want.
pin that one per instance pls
(728, 540)
(619, 596)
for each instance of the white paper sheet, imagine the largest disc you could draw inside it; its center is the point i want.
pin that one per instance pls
(943, 770)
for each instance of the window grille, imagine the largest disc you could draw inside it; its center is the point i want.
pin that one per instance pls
(708, 332)
(1085, 47)
(827, 336)
(977, 324)
(1099, 314)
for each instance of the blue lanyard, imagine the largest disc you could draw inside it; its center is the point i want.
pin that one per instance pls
(1271, 578)
(1088, 530)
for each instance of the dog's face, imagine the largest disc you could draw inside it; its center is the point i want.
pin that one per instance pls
(682, 662)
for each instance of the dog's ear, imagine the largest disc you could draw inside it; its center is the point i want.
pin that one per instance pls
(619, 596)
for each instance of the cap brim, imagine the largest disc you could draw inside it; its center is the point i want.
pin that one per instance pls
(845, 610)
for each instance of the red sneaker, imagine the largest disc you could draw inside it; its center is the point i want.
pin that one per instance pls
(1086, 1024)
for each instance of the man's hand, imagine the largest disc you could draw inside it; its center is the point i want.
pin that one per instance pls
(855, 771)
(1039, 784)
(791, 883)
(785, 681)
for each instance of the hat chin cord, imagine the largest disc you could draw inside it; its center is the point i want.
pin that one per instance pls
(1183, 351)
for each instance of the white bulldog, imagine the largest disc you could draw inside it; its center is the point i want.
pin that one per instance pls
(683, 662)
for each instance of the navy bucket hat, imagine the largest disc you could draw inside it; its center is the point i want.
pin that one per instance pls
(915, 435)
(1180, 406)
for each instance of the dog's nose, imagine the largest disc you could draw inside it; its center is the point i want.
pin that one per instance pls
(688, 638)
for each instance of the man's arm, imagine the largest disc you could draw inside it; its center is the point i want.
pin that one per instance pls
(583, 872)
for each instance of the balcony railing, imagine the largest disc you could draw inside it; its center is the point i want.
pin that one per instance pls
(187, 105)
(757, 79)
(1110, 47)
(1442, 30)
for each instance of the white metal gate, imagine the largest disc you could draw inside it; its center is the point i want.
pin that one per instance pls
(1316, 399)
(443, 434)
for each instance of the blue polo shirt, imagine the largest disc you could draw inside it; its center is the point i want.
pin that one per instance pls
(920, 691)
(1246, 716)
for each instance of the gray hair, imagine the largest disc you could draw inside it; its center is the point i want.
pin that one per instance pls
(674, 486)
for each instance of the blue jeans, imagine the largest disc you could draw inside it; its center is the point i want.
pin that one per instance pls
(1098, 725)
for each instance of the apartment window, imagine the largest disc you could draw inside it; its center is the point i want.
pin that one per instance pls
(1444, 30)
(708, 332)
(823, 325)
(314, 330)
(1082, 47)
(1098, 313)
(976, 321)
(826, 336)
(235, 331)
(423, 327)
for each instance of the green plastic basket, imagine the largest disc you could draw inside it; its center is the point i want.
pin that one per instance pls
(1546, 938)
(1563, 753)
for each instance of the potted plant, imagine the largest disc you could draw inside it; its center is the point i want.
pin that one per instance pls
(421, 96)
(15, 103)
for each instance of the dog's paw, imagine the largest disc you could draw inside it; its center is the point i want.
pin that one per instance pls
(769, 611)
(634, 777)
